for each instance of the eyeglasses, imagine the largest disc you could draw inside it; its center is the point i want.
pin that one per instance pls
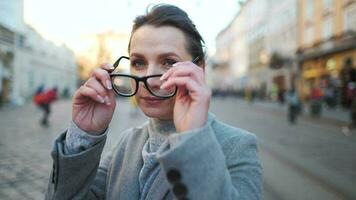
(127, 85)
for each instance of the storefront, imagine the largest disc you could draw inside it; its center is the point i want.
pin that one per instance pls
(321, 66)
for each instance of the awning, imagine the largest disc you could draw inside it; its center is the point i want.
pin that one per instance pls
(328, 48)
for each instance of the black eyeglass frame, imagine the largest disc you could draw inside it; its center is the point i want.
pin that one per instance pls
(138, 80)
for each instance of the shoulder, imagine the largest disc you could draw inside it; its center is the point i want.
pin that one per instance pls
(225, 133)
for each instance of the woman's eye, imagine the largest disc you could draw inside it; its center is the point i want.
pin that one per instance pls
(137, 64)
(169, 62)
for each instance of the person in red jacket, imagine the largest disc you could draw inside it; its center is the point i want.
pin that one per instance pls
(43, 100)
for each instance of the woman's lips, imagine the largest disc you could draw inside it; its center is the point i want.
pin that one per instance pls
(152, 101)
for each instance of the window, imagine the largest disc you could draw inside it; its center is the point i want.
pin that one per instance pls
(327, 28)
(350, 18)
(309, 10)
(328, 5)
(308, 35)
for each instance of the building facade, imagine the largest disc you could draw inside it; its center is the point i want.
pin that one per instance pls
(28, 60)
(326, 42)
(281, 37)
(7, 48)
(260, 30)
(221, 76)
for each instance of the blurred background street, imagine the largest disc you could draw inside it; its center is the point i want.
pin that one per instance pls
(310, 160)
(282, 69)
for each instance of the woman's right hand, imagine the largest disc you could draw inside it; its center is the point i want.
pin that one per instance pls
(94, 102)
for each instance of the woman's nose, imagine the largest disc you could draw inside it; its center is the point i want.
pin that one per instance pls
(154, 69)
(154, 82)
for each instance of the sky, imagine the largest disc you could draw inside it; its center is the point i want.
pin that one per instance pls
(67, 21)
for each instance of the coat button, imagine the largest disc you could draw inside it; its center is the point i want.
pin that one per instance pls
(173, 176)
(53, 173)
(180, 190)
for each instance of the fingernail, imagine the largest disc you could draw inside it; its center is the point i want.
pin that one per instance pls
(108, 84)
(107, 100)
(101, 99)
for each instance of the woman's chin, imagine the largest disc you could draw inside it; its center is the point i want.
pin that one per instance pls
(156, 113)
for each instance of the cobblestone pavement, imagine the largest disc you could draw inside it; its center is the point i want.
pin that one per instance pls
(25, 146)
(305, 161)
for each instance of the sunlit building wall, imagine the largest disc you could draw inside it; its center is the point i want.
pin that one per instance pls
(12, 15)
(239, 51)
(244, 48)
(326, 39)
(221, 76)
(7, 48)
(281, 37)
(231, 57)
(256, 29)
(35, 61)
(41, 63)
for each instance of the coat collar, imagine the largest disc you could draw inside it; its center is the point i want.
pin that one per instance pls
(132, 163)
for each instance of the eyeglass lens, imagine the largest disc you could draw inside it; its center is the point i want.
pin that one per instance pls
(127, 85)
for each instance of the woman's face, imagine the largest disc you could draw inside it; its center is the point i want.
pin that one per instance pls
(152, 50)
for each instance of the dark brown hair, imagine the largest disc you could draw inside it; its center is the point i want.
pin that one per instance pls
(169, 15)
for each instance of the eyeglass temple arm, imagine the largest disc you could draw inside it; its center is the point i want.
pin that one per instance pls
(195, 59)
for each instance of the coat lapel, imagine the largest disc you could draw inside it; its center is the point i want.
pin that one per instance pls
(159, 188)
(129, 186)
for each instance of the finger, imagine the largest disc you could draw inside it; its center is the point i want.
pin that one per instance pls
(85, 91)
(99, 88)
(189, 67)
(103, 76)
(107, 66)
(195, 73)
(187, 82)
(112, 96)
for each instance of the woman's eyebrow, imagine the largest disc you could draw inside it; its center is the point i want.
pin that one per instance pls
(163, 55)
(137, 55)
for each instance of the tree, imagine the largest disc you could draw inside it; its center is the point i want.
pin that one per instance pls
(277, 61)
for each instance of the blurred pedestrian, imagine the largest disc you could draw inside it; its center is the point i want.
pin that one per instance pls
(352, 125)
(181, 152)
(293, 102)
(43, 99)
(281, 95)
(347, 75)
(316, 101)
(274, 92)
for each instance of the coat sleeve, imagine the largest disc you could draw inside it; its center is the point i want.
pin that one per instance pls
(77, 176)
(197, 167)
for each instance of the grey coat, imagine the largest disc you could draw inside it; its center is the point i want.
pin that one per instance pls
(217, 162)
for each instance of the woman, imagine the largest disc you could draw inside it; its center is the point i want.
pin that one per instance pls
(182, 151)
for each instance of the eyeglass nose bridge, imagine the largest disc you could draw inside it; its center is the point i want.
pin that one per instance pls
(145, 84)
(149, 87)
(142, 80)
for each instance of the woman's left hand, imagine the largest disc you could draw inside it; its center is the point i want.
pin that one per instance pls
(193, 96)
